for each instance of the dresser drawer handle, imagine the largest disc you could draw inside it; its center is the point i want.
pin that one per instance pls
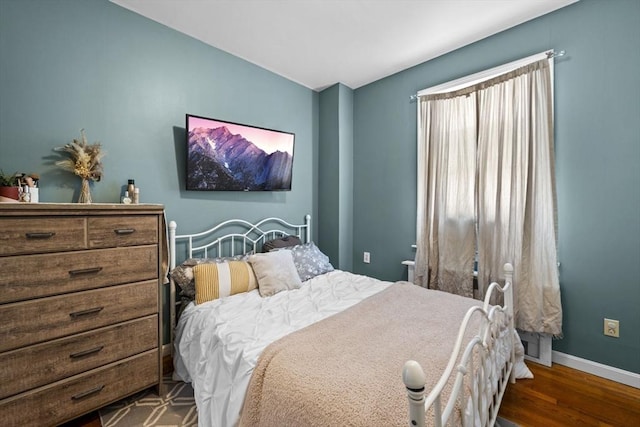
(87, 393)
(85, 271)
(123, 231)
(40, 235)
(86, 312)
(86, 352)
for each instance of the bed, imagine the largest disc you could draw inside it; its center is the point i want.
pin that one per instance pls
(332, 348)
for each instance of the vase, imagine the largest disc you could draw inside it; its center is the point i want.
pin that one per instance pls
(9, 194)
(85, 192)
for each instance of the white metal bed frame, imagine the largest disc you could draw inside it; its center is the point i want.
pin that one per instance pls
(485, 342)
(216, 242)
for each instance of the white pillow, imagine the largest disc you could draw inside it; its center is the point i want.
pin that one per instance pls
(275, 272)
(522, 370)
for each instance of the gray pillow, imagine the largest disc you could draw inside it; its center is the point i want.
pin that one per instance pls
(275, 272)
(282, 242)
(309, 261)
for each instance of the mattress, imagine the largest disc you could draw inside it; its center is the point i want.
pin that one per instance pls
(218, 343)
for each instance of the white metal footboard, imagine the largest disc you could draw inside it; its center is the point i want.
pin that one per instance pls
(487, 373)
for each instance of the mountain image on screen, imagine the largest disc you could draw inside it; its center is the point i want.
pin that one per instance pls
(220, 160)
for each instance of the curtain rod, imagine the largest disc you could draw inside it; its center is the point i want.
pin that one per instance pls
(554, 54)
(550, 54)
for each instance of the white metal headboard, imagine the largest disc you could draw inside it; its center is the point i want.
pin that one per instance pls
(229, 238)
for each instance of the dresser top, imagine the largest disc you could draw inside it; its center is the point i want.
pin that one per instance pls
(12, 209)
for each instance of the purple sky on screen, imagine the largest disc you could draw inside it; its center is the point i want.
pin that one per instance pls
(267, 140)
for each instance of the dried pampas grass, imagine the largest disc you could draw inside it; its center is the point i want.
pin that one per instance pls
(85, 159)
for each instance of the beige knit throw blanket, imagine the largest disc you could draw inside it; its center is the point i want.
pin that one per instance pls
(347, 369)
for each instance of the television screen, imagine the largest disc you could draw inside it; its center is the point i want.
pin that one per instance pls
(227, 156)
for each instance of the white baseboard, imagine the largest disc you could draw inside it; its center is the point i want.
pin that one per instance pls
(609, 372)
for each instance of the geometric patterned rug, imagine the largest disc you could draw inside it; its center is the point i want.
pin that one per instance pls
(501, 422)
(146, 409)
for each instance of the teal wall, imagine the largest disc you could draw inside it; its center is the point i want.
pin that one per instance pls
(329, 177)
(597, 107)
(345, 164)
(71, 64)
(335, 191)
(128, 81)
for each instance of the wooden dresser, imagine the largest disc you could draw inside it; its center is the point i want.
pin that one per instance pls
(80, 308)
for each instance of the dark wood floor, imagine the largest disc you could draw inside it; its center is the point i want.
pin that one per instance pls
(561, 396)
(556, 397)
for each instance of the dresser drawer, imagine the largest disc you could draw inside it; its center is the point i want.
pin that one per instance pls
(48, 234)
(114, 231)
(73, 355)
(31, 322)
(33, 276)
(70, 398)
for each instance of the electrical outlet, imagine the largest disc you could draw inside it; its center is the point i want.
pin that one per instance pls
(366, 258)
(612, 328)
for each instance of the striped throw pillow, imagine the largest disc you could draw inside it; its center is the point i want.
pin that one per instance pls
(220, 280)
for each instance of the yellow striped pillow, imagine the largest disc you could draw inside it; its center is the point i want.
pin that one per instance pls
(218, 280)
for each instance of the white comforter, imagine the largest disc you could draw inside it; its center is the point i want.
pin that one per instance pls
(218, 343)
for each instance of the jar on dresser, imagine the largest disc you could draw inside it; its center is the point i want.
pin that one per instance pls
(80, 308)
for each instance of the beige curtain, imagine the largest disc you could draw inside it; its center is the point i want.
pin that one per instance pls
(516, 193)
(446, 182)
(485, 159)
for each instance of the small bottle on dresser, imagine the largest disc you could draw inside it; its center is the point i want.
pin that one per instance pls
(126, 199)
(136, 195)
(131, 186)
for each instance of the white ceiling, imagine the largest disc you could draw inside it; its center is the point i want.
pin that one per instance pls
(318, 43)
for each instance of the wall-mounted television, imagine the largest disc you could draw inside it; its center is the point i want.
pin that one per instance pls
(228, 156)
